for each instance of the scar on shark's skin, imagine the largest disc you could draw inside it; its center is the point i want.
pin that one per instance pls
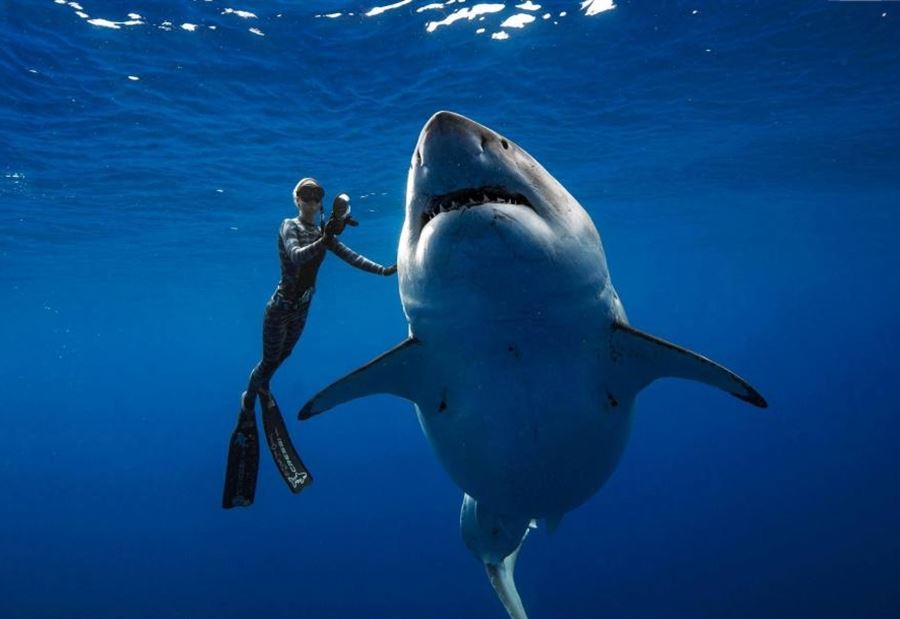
(500, 217)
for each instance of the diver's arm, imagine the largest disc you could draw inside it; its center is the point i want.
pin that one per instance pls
(300, 250)
(357, 260)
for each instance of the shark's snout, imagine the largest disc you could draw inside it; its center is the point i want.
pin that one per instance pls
(455, 125)
(457, 165)
(449, 136)
(444, 120)
(469, 183)
(455, 155)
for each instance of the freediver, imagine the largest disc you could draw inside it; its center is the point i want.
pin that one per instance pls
(302, 244)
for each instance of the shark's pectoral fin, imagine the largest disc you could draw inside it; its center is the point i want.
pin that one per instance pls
(642, 358)
(392, 372)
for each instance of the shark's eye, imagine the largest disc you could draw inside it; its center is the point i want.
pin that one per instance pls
(504, 143)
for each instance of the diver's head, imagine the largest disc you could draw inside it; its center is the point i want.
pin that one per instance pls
(308, 196)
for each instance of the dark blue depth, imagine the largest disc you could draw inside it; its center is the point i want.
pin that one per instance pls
(740, 160)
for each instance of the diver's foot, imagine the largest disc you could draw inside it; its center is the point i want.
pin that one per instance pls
(291, 467)
(243, 457)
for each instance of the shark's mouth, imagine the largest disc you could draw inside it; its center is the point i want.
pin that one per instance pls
(472, 197)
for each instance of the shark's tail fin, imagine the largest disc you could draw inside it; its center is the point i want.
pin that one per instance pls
(641, 358)
(496, 541)
(501, 577)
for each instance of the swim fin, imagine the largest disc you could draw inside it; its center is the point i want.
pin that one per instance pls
(243, 459)
(291, 467)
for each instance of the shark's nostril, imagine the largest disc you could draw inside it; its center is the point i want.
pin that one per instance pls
(419, 157)
(484, 141)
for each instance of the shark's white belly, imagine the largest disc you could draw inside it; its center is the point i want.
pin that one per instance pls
(526, 424)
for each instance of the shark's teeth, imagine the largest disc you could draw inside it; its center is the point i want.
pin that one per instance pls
(476, 196)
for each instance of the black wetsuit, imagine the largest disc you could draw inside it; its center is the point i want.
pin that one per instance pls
(301, 250)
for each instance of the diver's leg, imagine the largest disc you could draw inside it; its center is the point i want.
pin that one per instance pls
(291, 467)
(293, 329)
(274, 336)
(282, 329)
(242, 467)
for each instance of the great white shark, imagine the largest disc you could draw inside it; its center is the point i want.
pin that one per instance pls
(520, 360)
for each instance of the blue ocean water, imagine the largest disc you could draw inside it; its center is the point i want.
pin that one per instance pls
(740, 160)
